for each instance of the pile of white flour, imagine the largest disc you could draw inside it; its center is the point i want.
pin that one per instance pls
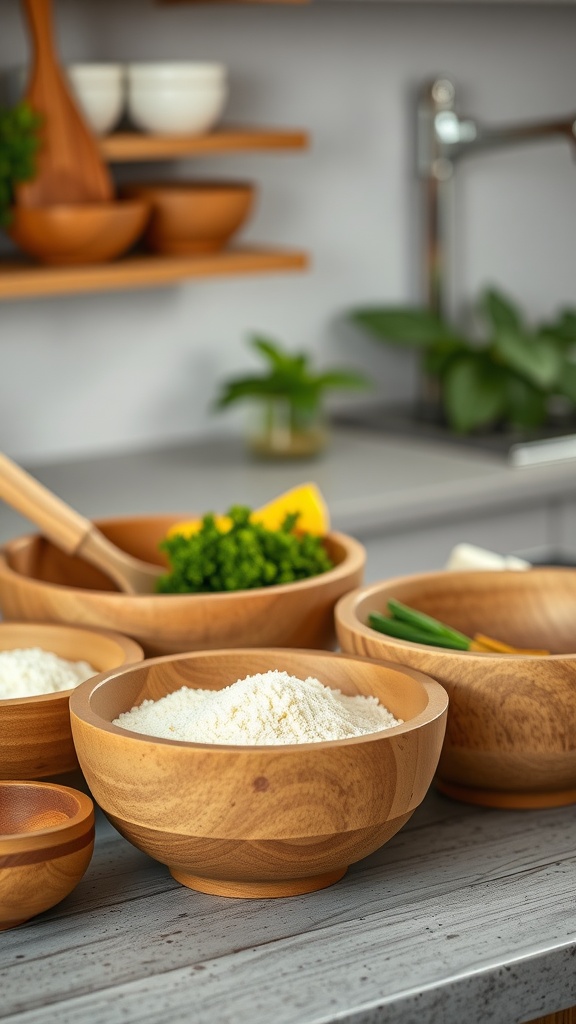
(29, 671)
(270, 707)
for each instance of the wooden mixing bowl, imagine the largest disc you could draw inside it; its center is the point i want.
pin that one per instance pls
(46, 842)
(78, 232)
(35, 737)
(39, 582)
(257, 821)
(511, 733)
(193, 217)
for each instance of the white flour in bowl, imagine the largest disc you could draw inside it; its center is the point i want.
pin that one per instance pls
(30, 671)
(270, 707)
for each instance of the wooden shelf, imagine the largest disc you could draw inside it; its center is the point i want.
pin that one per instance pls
(137, 146)
(20, 279)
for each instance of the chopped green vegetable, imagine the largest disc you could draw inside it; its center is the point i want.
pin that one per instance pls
(403, 631)
(242, 558)
(426, 623)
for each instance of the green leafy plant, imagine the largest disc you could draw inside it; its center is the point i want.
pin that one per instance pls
(289, 376)
(19, 141)
(505, 377)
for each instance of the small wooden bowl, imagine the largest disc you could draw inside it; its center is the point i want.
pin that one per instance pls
(511, 733)
(39, 582)
(35, 737)
(193, 217)
(256, 821)
(46, 842)
(78, 232)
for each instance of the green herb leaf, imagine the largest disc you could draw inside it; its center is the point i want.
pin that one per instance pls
(419, 327)
(474, 393)
(526, 406)
(535, 357)
(502, 314)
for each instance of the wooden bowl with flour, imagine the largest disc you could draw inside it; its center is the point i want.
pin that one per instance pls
(36, 741)
(265, 819)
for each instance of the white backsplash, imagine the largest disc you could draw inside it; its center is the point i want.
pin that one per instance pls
(84, 374)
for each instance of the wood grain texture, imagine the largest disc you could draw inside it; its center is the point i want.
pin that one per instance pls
(46, 843)
(465, 915)
(136, 146)
(259, 820)
(561, 1017)
(70, 168)
(22, 280)
(39, 582)
(36, 740)
(511, 733)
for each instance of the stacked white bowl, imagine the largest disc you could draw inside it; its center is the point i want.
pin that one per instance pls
(100, 92)
(176, 97)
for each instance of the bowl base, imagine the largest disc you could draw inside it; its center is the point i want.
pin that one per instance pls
(258, 890)
(504, 798)
(4, 927)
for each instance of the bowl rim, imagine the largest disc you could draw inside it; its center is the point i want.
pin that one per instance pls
(80, 824)
(437, 706)
(354, 560)
(345, 614)
(127, 643)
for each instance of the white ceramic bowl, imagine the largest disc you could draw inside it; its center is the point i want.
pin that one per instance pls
(177, 108)
(101, 93)
(175, 72)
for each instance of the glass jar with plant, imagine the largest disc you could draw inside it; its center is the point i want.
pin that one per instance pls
(19, 141)
(507, 376)
(287, 400)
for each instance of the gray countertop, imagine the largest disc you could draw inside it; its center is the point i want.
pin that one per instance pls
(466, 915)
(372, 483)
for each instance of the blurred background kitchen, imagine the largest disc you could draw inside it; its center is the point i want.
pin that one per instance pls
(94, 373)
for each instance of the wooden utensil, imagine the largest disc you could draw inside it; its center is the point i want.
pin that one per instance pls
(72, 532)
(70, 168)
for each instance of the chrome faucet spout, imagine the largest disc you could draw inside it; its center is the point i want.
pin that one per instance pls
(443, 138)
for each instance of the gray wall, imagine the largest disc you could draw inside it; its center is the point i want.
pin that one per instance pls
(84, 374)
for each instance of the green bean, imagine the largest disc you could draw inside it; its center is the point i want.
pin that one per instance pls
(402, 631)
(425, 623)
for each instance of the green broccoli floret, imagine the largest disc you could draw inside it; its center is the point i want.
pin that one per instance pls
(242, 558)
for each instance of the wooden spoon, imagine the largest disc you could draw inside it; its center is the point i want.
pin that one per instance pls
(70, 167)
(71, 532)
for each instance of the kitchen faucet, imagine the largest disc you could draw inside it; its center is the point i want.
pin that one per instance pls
(443, 137)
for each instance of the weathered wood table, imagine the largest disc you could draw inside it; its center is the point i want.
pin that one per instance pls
(466, 916)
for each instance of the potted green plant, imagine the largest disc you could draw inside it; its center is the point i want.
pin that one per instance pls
(19, 141)
(508, 375)
(287, 400)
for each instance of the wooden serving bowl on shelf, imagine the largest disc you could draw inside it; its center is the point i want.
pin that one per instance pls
(39, 582)
(69, 234)
(511, 732)
(256, 821)
(46, 843)
(35, 737)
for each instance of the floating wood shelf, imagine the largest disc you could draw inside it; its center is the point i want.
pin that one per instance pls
(20, 279)
(136, 146)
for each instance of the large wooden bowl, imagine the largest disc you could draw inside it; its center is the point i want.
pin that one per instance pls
(257, 821)
(38, 582)
(46, 842)
(35, 737)
(511, 733)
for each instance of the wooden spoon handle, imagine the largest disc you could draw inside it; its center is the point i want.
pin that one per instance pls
(39, 17)
(57, 521)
